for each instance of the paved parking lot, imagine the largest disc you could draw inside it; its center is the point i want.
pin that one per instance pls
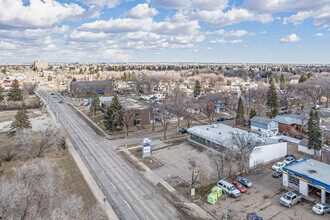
(263, 199)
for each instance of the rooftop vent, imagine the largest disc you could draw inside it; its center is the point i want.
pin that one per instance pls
(215, 126)
(312, 171)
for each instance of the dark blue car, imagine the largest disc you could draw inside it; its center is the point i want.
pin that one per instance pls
(221, 119)
(253, 217)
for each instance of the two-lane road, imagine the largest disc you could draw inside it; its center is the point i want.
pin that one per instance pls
(131, 196)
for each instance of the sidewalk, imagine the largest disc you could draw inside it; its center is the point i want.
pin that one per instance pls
(111, 214)
(194, 210)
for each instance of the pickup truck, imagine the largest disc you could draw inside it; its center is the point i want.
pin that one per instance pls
(290, 198)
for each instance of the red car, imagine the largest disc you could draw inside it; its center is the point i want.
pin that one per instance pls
(317, 192)
(239, 186)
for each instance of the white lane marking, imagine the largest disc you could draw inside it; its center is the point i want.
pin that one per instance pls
(128, 204)
(113, 186)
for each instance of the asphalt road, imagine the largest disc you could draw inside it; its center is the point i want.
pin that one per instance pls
(130, 195)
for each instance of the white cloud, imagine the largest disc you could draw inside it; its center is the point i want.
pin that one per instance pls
(273, 6)
(209, 5)
(102, 3)
(232, 33)
(318, 34)
(290, 38)
(46, 13)
(142, 11)
(245, 46)
(7, 46)
(263, 32)
(298, 18)
(84, 36)
(223, 41)
(232, 16)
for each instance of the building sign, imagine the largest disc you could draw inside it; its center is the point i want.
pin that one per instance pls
(146, 148)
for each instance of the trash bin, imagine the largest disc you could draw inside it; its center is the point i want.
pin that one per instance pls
(212, 198)
(217, 191)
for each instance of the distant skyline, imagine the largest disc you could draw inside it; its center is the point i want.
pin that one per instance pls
(204, 31)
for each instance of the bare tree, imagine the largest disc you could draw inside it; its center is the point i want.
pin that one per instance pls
(208, 109)
(36, 144)
(189, 111)
(165, 116)
(177, 108)
(9, 152)
(244, 143)
(29, 87)
(126, 116)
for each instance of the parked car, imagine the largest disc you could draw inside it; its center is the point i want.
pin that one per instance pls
(52, 93)
(229, 117)
(221, 119)
(277, 173)
(298, 137)
(183, 131)
(278, 166)
(229, 188)
(239, 186)
(290, 198)
(285, 133)
(244, 181)
(282, 140)
(288, 160)
(289, 155)
(253, 216)
(321, 208)
(61, 101)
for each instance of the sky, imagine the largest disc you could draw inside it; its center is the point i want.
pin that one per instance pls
(206, 31)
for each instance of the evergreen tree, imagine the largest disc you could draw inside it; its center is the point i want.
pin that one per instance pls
(240, 120)
(2, 96)
(283, 78)
(111, 122)
(272, 100)
(21, 121)
(197, 89)
(253, 113)
(303, 78)
(277, 79)
(15, 93)
(314, 133)
(95, 101)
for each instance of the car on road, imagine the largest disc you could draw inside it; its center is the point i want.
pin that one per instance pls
(61, 101)
(220, 119)
(290, 198)
(182, 131)
(278, 166)
(288, 160)
(321, 208)
(229, 188)
(244, 181)
(239, 186)
(277, 173)
(253, 216)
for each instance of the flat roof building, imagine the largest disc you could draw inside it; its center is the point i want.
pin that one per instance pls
(308, 174)
(264, 149)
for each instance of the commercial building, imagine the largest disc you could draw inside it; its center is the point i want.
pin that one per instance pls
(308, 175)
(40, 65)
(265, 126)
(82, 89)
(214, 136)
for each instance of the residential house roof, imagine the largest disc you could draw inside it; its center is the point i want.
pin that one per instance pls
(291, 119)
(304, 142)
(260, 120)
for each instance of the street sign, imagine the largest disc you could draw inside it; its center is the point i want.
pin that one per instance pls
(146, 148)
(192, 191)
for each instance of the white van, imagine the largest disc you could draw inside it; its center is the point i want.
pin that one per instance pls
(229, 188)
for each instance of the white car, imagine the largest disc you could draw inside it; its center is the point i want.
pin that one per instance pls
(278, 166)
(288, 160)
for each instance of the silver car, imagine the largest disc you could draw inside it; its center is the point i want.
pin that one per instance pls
(321, 208)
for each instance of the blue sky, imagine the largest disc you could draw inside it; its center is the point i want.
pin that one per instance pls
(213, 31)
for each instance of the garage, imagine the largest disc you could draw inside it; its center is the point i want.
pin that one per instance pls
(308, 176)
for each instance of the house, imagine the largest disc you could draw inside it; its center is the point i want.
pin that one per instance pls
(289, 123)
(219, 105)
(148, 96)
(302, 147)
(105, 102)
(220, 135)
(265, 126)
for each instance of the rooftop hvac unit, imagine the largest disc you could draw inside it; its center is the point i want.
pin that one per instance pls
(215, 126)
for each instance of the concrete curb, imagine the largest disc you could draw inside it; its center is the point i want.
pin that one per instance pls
(111, 214)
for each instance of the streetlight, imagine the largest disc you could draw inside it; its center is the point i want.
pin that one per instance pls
(226, 202)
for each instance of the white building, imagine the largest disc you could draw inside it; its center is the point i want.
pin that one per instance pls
(264, 150)
(264, 126)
